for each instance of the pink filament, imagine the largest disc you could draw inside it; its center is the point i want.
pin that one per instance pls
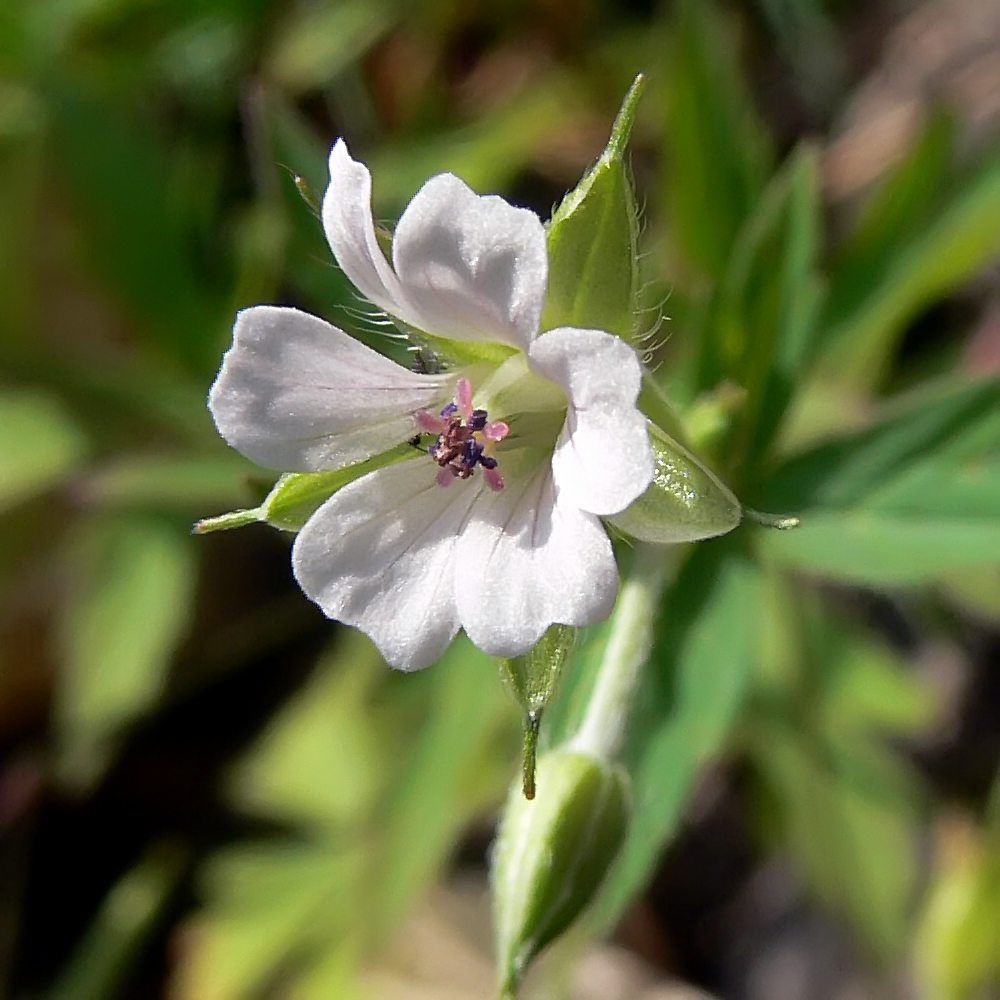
(429, 422)
(463, 398)
(493, 479)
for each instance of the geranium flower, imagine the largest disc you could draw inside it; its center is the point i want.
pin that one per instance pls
(494, 524)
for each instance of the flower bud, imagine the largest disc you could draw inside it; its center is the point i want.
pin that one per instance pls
(552, 854)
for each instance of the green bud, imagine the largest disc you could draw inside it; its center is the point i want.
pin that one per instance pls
(685, 501)
(296, 496)
(552, 854)
(593, 241)
(532, 680)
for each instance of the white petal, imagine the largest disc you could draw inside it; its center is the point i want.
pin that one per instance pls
(474, 267)
(529, 559)
(380, 555)
(350, 231)
(603, 459)
(297, 394)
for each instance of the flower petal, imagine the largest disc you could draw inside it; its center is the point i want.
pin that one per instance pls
(473, 266)
(603, 459)
(380, 555)
(529, 559)
(297, 394)
(350, 231)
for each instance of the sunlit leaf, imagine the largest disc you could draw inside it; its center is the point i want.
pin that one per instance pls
(121, 928)
(317, 42)
(719, 153)
(40, 445)
(169, 482)
(265, 903)
(959, 241)
(870, 547)
(320, 763)
(128, 609)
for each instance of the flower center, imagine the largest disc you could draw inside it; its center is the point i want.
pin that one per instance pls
(466, 438)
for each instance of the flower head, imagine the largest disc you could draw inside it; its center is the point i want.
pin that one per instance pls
(493, 524)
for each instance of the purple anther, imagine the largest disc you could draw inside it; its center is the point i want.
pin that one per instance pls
(471, 453)
(449, 411)
(486, 462)
(478, 420)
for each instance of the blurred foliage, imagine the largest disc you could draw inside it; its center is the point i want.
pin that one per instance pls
(148, 154)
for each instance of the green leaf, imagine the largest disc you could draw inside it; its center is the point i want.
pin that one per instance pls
(593, 242)
(169, 482)
(266, 903)
(316, 43)
(830, 791)
(116, 938)
(719, 152)
(381, 771)
(120, 175)
(319, 763)
(762, 324)
(487, 154)
(40, 446)
(963, 419)
(898, 210)
(956, 244)
(22, 130)
(905, 502)
(869, 547)
(854, 843)
(133, 589)
(956, 952)
(705, 652)
(684, 503)
(451, 771)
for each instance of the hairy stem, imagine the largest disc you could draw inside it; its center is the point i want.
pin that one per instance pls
(628, 647)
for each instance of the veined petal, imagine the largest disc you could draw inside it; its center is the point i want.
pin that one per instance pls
(297, 394)
(350, 231)
(603, 459)
(530, 559)
(380, 555)
(473, 266)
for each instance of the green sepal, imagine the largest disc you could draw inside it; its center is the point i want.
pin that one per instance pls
(462, 352)
(296, 496)
(552, 854)
(685, 502)
(532, 680)
(593, 241)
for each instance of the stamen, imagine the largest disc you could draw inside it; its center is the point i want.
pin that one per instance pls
(429, 423)
(496, 431)
(463, 397)
(465, 439)
(493, 478)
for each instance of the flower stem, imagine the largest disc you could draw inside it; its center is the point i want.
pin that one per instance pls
(603, 727)
(532, 723)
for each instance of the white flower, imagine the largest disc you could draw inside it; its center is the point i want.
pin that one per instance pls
(495, 528)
